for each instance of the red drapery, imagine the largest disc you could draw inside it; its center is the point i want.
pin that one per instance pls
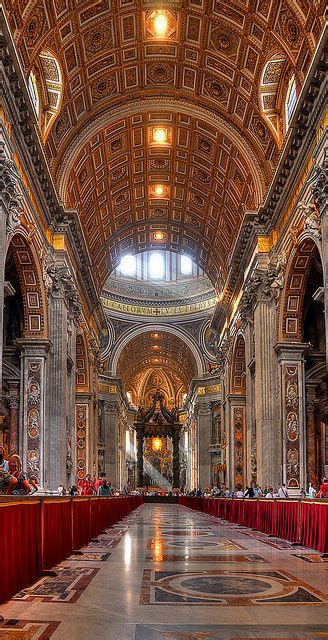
(314, 526)
(20, 546)
(56, 531)
(37, 534)
(295, 520)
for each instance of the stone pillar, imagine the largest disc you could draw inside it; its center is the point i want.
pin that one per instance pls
(268, 427)
(204, 423)
(291, 360)
(58, 391)
(64, 306)
(13, 417)
(35, 431)
(111, 440)
(311, 433)
(140, 439)
(176, 458)
(251, 457)
(3, 247)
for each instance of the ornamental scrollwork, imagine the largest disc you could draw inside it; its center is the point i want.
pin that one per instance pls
(319, 184)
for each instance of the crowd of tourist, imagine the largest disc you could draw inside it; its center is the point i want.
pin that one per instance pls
(13, 481)
(89, 487)
(255, 491)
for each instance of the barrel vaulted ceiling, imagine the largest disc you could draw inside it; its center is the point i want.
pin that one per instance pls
(200, 82)
(157, 350)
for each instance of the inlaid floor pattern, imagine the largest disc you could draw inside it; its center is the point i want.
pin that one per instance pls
(168, 573)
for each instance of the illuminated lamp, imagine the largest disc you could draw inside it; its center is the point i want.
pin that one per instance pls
(160, 23)
(159, 135)
(156, 444)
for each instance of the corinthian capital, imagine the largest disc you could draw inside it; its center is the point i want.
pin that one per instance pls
(59, 282)
(257, 289)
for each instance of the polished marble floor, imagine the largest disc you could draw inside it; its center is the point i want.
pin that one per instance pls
(169, 573)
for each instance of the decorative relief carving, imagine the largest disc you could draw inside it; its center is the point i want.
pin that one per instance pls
(311, 218)
(8, 190)
(33, 402)
(319, 184)
(258, 288)
(59, 282)
(238, 420)
(81, 435)
(292, 425)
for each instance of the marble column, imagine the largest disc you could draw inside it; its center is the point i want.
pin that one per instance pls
(268, 426)
(140, 474)
(58, 392)
(311, 432)
(13, 417)
(251, 459)
(176, 458)
(35, 431)
(291, 361)
(204, 423)
(111, 440)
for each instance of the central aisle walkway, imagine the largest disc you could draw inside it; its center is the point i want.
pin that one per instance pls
(167, 573)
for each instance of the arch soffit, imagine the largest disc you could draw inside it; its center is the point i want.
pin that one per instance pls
(291, 304)
(32, 286)
(127, 337)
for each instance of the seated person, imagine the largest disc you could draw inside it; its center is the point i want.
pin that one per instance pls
(23, 485)
(7, 481)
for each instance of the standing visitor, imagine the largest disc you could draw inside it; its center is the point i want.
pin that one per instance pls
(282, 491)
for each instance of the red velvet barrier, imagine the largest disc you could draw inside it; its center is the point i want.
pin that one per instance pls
(314, 526)
(20, 562)
(81, 522)
(250, 514)
(56, 531)
(38, 533)
(298, 521)
(265, 518)
(287, 520)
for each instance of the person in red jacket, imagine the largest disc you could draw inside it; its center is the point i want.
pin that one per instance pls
(87, 486)
(323, 491)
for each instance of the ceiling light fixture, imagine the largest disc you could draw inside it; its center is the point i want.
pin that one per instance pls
(160, 23)
(159, 235)
(159, 190)
(159, 135)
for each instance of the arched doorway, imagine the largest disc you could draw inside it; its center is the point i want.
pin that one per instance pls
(302, 355)
(25, 347)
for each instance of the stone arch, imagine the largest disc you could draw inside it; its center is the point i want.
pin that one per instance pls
(82, 364)
(129, 335)
(32, 287)
(292, 299)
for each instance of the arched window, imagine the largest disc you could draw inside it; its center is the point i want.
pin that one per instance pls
(46, 90)
(277, 95)
(290, 102)
(33, 89)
